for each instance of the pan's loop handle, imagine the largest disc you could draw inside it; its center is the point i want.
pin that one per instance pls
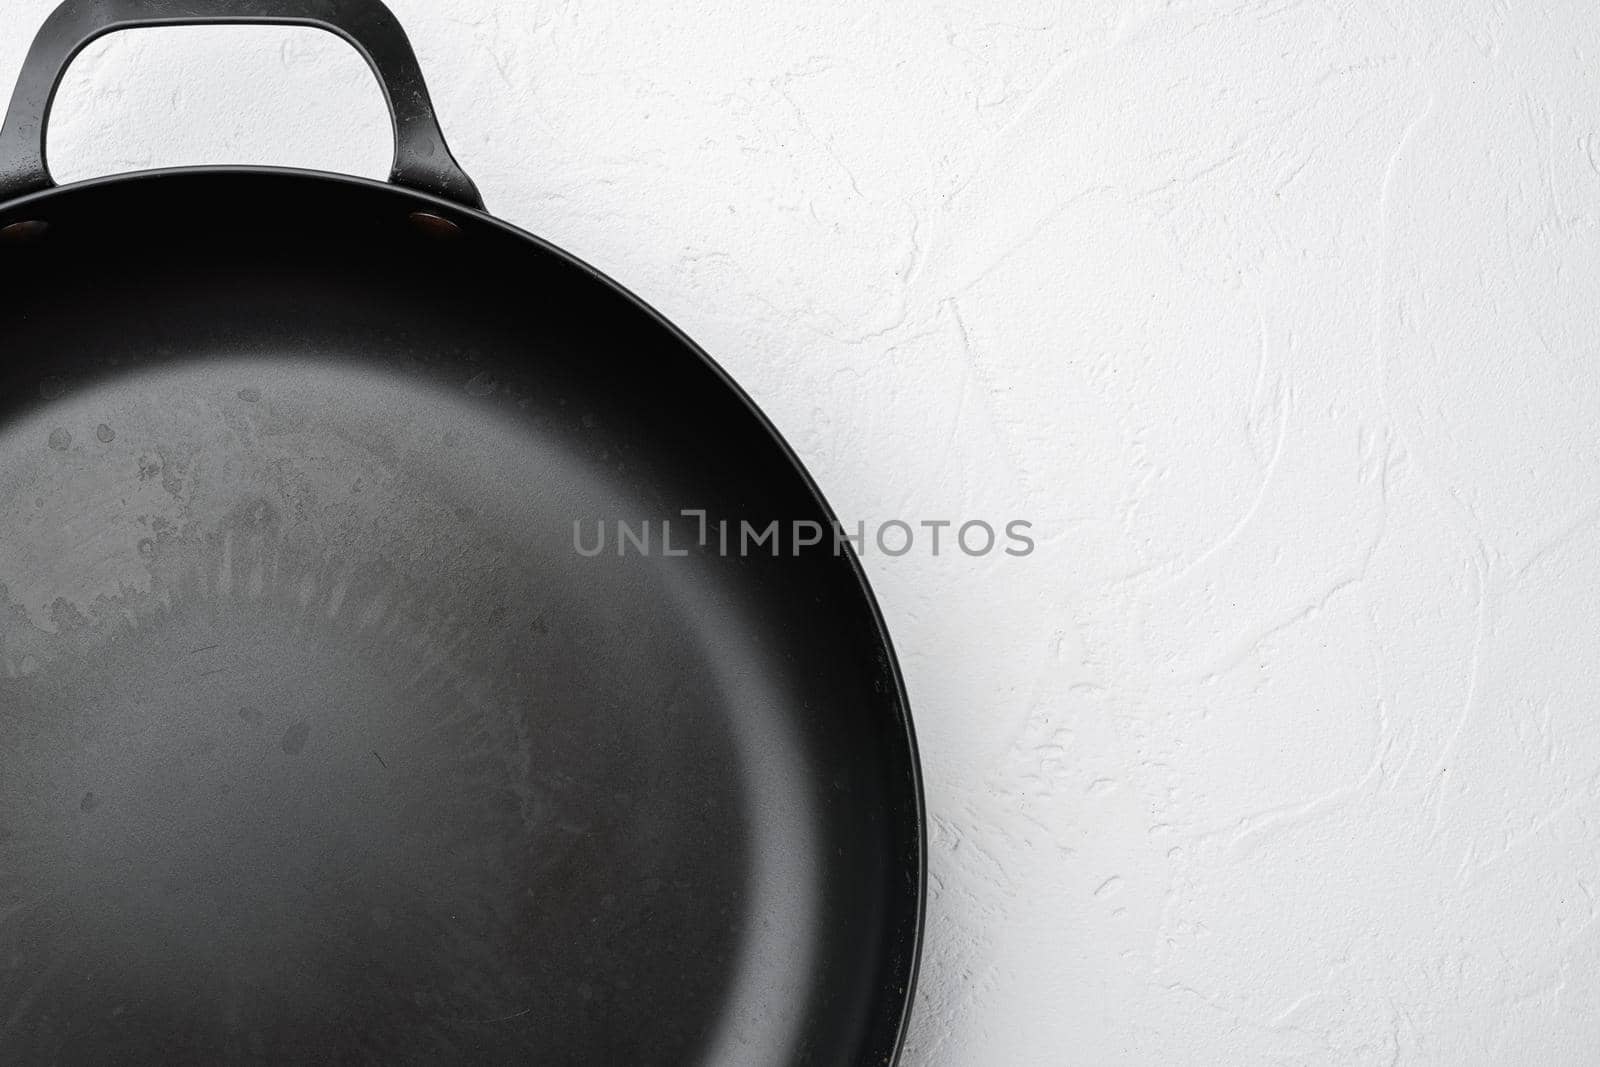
(422, 160)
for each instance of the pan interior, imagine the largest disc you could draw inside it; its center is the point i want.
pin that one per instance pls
(294, 703)
(319, 737)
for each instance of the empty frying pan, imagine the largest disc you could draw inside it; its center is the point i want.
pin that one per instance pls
(379, 681)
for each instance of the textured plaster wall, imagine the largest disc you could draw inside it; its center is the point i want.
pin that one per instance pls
(1278, 319)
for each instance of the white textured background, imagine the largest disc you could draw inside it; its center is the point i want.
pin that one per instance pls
(1277, 318)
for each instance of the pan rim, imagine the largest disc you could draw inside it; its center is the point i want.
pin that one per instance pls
(913, 817)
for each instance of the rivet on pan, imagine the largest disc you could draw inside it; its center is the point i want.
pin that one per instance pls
(21, 233)
(436, 226)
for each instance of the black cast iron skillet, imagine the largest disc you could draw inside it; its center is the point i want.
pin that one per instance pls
(321, 740)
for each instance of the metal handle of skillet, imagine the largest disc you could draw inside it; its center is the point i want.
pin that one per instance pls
(422, 160)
